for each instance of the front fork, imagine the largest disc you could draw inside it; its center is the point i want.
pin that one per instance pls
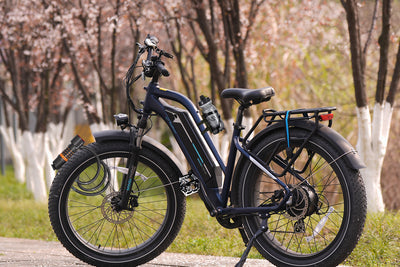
(135, 145)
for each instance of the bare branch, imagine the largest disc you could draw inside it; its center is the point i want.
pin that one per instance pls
(97, 66)
(114, 102)
(199, 45)
(255, 7)
(357, 57)
(395, 83)
(384, 40)
(6, 97)
(4, 58)
(374, 18)
(193, 78)
(343, 3)
(92, 116)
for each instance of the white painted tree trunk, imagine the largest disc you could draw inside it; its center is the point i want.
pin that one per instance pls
(248, 123)
(222, 141)
(54, 144)
(49, 156)
(225, 140)
(12, 146)
(56, 139)
(33, 152)
(178, 153)
(371, 145)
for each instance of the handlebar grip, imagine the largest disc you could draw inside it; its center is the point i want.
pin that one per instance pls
(162, 69)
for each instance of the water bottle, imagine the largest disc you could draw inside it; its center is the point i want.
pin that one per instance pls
(210, 115)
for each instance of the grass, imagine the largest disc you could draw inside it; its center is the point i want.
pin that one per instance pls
(202, 234)
(22, 217)
(380, 242)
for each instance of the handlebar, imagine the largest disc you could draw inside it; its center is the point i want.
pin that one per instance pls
(153, 62)
(153, 66)
(162, 69)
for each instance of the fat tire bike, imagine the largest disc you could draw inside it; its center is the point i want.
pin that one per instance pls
(294, 193)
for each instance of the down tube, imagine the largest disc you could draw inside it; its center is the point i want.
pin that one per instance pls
(175, 96)
(193, 145)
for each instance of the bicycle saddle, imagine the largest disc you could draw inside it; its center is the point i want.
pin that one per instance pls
(248, 97)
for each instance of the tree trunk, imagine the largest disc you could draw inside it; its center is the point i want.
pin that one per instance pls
(34, 157)
(372, 137)
(371, 145)
(89, 108)
(114, 88)
(357, 55)
(14, 149)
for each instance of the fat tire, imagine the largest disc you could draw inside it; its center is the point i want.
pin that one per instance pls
(354, 198)
(142, 253)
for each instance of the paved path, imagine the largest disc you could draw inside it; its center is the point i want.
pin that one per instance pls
(24, 252)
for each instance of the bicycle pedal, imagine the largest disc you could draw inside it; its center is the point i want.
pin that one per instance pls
(189, 184)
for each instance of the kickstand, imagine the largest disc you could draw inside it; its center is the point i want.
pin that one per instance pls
(263, 228)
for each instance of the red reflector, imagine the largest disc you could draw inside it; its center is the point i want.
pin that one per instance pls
(326, 117)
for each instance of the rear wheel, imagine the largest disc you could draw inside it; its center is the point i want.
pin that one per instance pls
(85, 217)
(323, 220)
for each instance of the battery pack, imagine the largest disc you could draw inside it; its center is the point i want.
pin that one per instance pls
(196, 146)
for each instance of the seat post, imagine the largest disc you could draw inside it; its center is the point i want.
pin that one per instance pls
(237, 126)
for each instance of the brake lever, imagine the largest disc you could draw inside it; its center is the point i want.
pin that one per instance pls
(141, 47)
(163, 53)
(168, 55)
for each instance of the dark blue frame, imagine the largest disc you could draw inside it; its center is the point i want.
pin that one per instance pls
(218, 201)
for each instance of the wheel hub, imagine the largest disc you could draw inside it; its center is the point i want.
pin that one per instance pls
(303, 202)
(111, 211)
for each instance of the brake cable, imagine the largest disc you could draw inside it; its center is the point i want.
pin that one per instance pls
(129, 81)
(128, 77)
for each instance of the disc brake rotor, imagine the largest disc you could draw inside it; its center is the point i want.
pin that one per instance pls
(300, 203)
(111, 214)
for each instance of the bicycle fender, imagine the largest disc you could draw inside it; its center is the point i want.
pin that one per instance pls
(147, 142)
(331, 136)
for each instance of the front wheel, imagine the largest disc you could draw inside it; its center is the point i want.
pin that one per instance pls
(321, 223)
(84, 213)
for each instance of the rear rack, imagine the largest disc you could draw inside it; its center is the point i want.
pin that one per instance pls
(271, 116)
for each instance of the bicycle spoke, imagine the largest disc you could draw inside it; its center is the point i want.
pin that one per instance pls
(101, 226)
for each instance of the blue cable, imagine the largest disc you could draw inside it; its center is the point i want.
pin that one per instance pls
(287, 127)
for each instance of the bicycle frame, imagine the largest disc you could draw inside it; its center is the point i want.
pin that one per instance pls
(203, 154)
(128, 227)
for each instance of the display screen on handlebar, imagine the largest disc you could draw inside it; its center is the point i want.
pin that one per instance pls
(151, 41)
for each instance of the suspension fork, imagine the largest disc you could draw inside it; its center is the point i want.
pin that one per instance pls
(135, 145)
